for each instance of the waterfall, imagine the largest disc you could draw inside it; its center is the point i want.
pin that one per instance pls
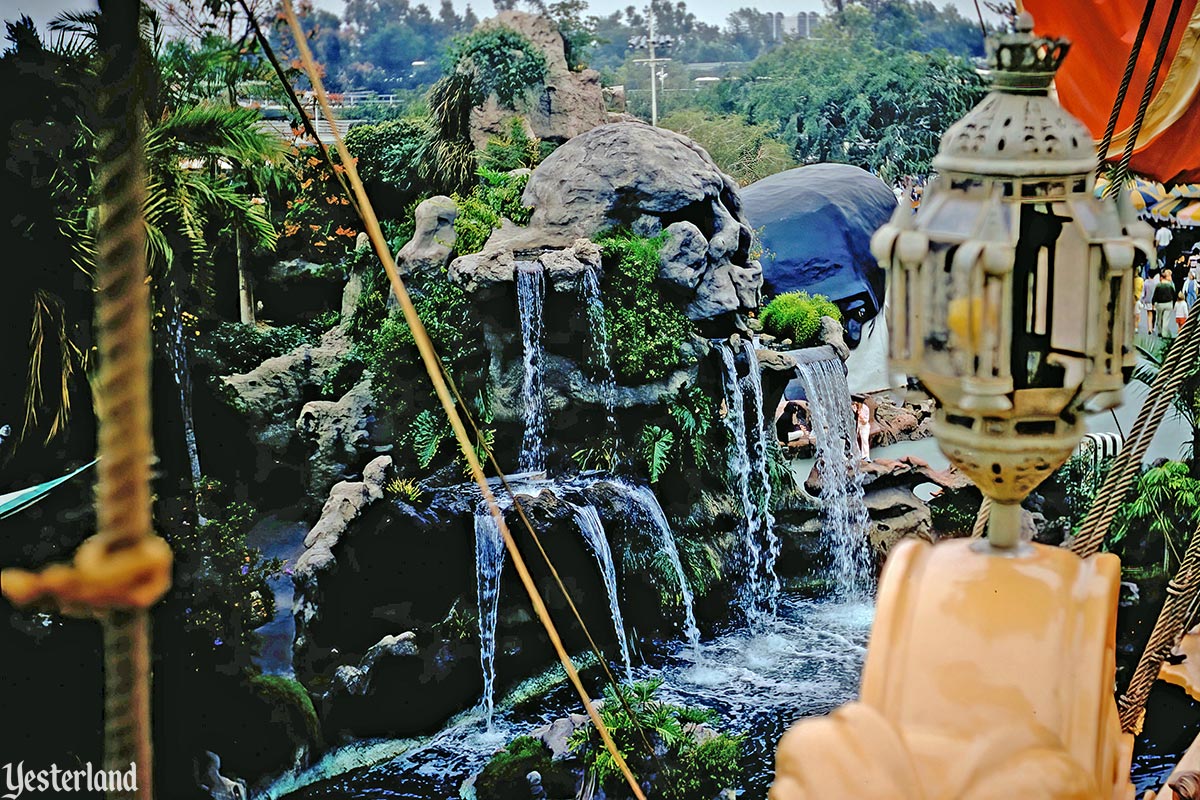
(531, 291)
(592, 529)
(768, 588)
(660, 529)
(748, 471)
(843, 512)
(593, 306)
(489, 563)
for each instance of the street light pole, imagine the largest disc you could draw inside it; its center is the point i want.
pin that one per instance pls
(653, 63)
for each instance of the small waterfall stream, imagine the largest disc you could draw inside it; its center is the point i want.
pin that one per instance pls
(843, 512)
(660, 529)
(531, 290)
(593, 305)
(748, 468)
(489, 563)
(588, 519)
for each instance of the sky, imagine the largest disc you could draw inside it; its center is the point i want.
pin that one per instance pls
(710, 11)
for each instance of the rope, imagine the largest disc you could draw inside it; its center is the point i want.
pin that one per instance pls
(123, 387)
(1182, 591)
(434, 368)
(1136, 128)
(981, 518)
(1181, 357)
(1134, 53)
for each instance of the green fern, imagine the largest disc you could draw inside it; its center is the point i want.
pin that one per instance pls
(427, 432)
(656, 450)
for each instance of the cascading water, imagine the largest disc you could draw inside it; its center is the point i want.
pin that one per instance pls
(593, 306)
(531, 289)
(660, 529)
(489, 563)
(588, 519)
(843, 512)
(748, 469)
(759, 453)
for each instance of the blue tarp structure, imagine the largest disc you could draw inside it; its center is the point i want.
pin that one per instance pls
(815, 224)
(14, 502)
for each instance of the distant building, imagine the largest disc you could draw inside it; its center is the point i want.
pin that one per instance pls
(801, 25)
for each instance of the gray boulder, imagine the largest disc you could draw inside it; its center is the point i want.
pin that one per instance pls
(212, 784)
(272, 394)
(632, 174)
(340, 435)
(433, 237)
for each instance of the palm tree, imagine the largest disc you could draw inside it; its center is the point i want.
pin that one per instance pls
(192, 149)
(1186, 403)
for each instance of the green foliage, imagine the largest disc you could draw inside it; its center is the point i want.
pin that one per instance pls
(319, 223)
(656, 450)
(847, 98)
(449, 320)
(232, 348)
(953, 513)
(600, 456)
(797, 316)
(1153, 528)
(501, 62)
(222, 580)
(342, 376)
(429, 430)
(504, 775)
(388, 153)
(497, 197)
(517, 149)
(693, 413)
(646, 331)
(745, 151)
(783, 480)
(291, 701)
(694, 772)
(1186, 403)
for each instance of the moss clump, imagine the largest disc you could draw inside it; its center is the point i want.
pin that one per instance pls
(646, 330)
(504, 776)
(797, 316)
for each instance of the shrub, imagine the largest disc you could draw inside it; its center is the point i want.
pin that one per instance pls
(797, 316)
(504, 776)
(498, 196)
(501, 62)
(405, 489)
(695, 771)
(646, 331)
(232, 347)
(515, 150)
(388, 153)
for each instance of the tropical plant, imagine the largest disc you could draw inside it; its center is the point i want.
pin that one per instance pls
(656, 445)
(633, 712)
(693, 413)
(1186, 403)
(646, 330)
(516, 149)
(1152, 529)
(797, 316)
(406, 489)
(497, 197)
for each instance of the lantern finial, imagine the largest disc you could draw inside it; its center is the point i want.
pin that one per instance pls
(1022, 63)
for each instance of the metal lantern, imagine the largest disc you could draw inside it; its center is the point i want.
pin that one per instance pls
(1011, 287)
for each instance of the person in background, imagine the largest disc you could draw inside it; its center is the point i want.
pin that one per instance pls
(1189, 285)
(862, 418)
(1181, 312)
(1138, 285)
(1162, 238)
(1148, 287)
(1164, 303)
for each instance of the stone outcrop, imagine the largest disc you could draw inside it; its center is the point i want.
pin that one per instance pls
(433, 238)
(339, 435)
(212, 784)
(570, 102)
(271, 395)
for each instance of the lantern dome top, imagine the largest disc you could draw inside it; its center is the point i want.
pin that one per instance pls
(1018, 130)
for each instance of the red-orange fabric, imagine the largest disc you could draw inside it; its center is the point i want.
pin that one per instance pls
(1101, 33)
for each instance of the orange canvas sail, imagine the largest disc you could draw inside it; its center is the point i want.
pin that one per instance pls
(1102, 33)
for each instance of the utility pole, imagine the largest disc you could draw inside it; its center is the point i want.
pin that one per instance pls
(653, 64)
